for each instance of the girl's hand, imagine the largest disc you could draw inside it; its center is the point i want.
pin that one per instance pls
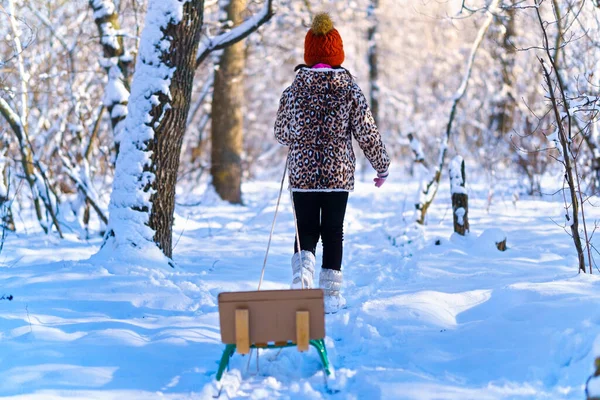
(381, 177)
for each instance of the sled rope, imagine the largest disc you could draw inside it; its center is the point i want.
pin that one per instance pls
(298, 249)
(262, 273)
(250, 359)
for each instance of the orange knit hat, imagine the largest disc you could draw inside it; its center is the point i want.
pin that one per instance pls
(323, 43)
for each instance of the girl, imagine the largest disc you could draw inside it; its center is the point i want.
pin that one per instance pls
(318, 116)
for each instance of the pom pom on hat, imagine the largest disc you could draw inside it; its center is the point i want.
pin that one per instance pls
(323, 43)
(322, 24)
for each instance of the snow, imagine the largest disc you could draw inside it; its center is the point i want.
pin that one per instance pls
(415, 146)
(460, 215)
(109, 35)
(457, 185)
(430, 314)
(103, 8)
(492, 235)
(118, 110)
(115, 90)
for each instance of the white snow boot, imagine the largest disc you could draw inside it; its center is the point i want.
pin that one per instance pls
(330, 281)
(303, 270)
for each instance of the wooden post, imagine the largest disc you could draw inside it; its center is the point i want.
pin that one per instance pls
(460, 199)
(302, 330)
(242, 331)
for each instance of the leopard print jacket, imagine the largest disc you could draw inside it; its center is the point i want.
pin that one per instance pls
(318, 116)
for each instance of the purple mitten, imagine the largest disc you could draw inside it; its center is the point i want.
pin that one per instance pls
(381, 177)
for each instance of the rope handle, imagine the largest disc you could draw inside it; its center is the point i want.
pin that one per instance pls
(262, 273)
(298, 248)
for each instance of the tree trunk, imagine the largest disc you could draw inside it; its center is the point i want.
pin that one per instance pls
(460, 199)
(143, 198)
(373, 72)
(227, 120)
(565, 139)
(572, 209)
(116, 63)
(569, 158)
(502, 118)
(373, 66)
(168, 136)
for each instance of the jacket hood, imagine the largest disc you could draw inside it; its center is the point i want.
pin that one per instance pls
(322, 80)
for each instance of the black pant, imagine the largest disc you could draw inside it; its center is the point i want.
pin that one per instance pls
(321, 214)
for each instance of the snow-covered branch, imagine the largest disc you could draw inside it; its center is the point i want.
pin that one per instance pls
(105, 16)
(23, 77)
(236, 34)
(115, 61)
(417, 149)
(81, 178)
(27, 162)
(12, 118)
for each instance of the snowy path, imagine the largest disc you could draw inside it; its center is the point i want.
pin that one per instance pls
(458, 320)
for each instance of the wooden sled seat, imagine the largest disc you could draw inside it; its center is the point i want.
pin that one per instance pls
(272, 319)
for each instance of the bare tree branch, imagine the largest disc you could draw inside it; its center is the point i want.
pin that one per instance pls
(242, 31)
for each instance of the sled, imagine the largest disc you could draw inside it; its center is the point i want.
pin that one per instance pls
(272, 319)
